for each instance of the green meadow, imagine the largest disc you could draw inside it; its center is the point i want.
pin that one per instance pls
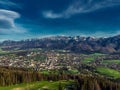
(41, 85)
(111, 61)
(108, 72)
(88, 60)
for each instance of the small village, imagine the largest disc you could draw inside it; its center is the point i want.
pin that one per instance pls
(51, 59)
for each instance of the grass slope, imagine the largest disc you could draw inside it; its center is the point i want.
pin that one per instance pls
(108, 72)
(41, 85)
(111, 61)
(88, 60)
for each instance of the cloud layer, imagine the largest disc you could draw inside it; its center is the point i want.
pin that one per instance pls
(7, 18)
(8, 25)
(6, 4)
(81, 6)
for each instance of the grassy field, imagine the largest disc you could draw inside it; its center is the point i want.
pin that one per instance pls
(73, 71)
(97, 54)
(108, 72)
(47, 72)
(87, 60)
(3, 52)
(111, 61)
(43, 85)
(91, 57)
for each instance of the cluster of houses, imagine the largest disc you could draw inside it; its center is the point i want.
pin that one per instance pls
(46, 60)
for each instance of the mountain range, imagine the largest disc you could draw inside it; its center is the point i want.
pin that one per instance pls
(76, 44)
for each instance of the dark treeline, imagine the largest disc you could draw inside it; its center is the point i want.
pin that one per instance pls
(12, 76)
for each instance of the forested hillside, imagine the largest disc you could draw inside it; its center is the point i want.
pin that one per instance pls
(13, 76)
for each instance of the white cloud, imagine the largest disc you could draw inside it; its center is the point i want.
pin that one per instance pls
(7, 22)
(99, 34)
(19, 29)
(50, 14)
(81, 6)
(8, 3)
(7, 18)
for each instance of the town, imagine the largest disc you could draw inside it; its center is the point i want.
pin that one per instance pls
(39, 59)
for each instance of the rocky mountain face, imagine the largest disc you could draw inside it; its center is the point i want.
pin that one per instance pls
(75, 44)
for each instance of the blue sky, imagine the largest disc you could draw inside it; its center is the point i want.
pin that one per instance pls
(22, 19)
